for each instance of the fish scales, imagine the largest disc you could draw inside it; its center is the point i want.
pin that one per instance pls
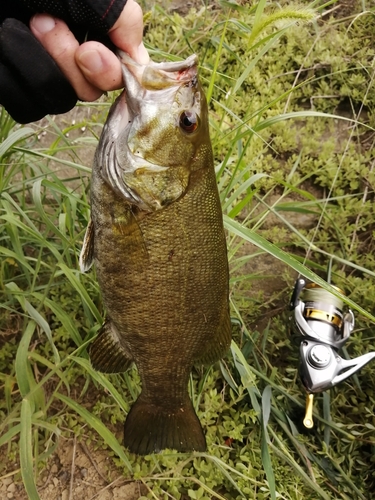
(159, 248)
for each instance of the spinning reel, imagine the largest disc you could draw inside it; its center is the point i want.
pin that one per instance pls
(322, 325)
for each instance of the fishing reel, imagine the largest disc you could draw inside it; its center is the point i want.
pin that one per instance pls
(321, 324)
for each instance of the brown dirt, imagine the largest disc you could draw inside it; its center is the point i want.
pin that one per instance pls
(77, 137)
(75, 472)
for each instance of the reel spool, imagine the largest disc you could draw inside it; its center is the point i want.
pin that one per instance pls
(322, 324)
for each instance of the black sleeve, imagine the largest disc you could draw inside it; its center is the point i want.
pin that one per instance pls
(98, 15)
(31, 83)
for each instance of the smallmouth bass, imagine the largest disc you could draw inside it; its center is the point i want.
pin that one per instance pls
(157, 240)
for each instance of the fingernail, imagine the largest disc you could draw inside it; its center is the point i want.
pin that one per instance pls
(91, 61)
(43, 23)
(143, 56)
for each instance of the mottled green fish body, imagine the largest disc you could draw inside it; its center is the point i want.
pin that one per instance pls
(157, 240)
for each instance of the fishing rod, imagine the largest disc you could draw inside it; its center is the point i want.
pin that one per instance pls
(322, 324)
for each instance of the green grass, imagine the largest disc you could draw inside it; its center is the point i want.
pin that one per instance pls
(292, 124)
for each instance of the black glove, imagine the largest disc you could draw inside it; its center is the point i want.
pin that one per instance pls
(31, 83)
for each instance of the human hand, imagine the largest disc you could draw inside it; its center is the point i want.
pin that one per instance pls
(45, 70)
(92, 68)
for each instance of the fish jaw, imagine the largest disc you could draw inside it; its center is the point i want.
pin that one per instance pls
(156, 76)
(145, 155)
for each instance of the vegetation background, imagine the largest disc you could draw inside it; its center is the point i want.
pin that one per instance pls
(292, 101)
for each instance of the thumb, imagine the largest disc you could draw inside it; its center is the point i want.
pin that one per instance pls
(127, 32)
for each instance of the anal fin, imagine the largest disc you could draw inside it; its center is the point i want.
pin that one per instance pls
(107, 355)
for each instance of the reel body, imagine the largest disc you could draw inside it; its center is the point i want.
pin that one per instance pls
(321, 325)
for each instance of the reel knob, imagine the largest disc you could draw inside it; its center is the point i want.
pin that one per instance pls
(319, 356)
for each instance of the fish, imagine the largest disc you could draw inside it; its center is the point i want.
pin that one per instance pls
(157, 241)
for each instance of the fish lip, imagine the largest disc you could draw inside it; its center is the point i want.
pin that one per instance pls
(168, 66)
(137, 78)
(156, 76)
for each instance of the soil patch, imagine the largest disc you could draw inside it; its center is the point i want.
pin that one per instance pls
(76, 471)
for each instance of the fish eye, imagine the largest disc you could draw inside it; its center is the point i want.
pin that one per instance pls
(189, 121)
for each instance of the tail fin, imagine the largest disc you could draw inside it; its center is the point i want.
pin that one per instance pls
(150, 429)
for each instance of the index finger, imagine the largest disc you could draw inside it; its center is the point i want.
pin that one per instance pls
(127, 32)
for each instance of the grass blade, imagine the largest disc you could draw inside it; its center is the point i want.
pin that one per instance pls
(248, 235)
(266, 459)
(24, 375)
(62, 316)
(100, 428)
(77, 285)
(216, 65)
(26, 453)
(13, 138)
(36, 316)
(272, 40)
(104, 382)
(9, 435)
(327, 416)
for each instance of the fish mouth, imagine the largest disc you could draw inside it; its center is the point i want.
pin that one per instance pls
(157, 76)
(140, 80)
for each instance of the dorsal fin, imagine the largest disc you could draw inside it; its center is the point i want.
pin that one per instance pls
(86, 257)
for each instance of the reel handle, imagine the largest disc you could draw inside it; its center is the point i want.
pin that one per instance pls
(308, 420)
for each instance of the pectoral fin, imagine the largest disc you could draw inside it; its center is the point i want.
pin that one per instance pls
(86, 257)
(107, 355)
